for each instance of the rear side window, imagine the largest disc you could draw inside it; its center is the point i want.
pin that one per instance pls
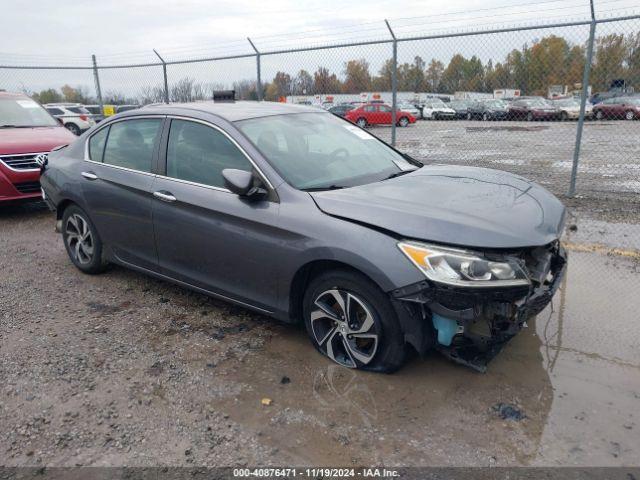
(79, 110)
(96, 145)
(198, 153)
(130, 143)
(55, 111)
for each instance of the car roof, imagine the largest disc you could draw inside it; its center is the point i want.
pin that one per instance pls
(6, 94)
(234, 111)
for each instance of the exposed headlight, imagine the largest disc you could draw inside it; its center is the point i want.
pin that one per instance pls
(462, 268)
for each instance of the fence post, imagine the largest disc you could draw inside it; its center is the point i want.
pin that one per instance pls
(394, 85)
(586, 78)
(164, 74)
(96, 79)
(259, 81)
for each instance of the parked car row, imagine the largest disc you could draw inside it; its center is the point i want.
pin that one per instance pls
(523, 108)
(78, 118)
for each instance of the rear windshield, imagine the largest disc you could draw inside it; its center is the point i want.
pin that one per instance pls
(24, 112)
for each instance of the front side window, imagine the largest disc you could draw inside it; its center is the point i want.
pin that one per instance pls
(322, 151)
(130, 143)
(369, 108)
(23, 112)
(199, 153)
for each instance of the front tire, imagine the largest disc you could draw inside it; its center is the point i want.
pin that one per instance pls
(81, 240)
(529, 117)
(352, 322)
(599, 115)
(403, 122)
(629, 115)
(361, 122)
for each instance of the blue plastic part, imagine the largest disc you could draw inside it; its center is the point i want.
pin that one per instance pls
(446, 328)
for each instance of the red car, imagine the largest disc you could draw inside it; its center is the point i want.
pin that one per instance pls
(627, 108)
(27, 134)
(531, 109)
(377, 114)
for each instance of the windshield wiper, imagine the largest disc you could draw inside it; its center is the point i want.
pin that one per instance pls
(400, 173)
(321, 189)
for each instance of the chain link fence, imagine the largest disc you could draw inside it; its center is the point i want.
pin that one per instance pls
(459, 83)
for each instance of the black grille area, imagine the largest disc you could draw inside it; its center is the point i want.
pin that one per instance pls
(27, 187)
(21, 162)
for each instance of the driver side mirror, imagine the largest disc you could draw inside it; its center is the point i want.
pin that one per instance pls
(244, 184)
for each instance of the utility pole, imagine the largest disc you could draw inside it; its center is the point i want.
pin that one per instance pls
(259, 81)
(96, 79)
(164, 74)
(394, 85)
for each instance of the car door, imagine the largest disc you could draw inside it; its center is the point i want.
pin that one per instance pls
(207, 236)
(371, 114)
(385, 114)
(117, 186)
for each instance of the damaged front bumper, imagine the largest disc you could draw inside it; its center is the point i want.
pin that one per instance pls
(470, 326)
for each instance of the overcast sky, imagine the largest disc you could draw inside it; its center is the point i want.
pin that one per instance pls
(67, 32)
(71, 30)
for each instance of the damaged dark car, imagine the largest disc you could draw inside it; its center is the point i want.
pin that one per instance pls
(300, 215)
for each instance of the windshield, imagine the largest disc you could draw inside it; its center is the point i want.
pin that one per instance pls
(320, 151)
(24, 112)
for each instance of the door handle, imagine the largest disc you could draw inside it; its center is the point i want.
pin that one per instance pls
(89, 175)
(164, 196)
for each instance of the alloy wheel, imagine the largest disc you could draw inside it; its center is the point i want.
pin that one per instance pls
(344, 328)
(79, 239)
(629, 115)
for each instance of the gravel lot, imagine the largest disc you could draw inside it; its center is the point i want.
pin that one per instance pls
(121, 369)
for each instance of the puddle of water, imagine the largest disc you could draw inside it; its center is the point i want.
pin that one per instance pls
(574, 373)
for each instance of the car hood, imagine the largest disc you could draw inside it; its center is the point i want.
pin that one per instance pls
(33, 140)
(464, 206)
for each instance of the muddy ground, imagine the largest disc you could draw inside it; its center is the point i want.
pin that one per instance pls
(121, 369)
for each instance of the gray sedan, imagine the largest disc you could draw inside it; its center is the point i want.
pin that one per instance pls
(295, 213)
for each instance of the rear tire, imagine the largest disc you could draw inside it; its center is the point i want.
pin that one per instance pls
(73, 128)
(485, 117)
(81, 240)
(469, 116)
(352, 322)
(564, 116)
(529, 117)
